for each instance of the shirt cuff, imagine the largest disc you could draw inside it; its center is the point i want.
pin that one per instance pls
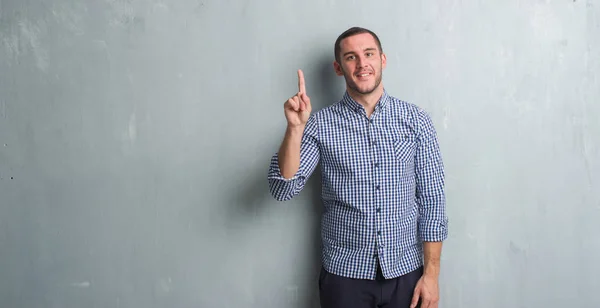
(275, 172)
(433, 230)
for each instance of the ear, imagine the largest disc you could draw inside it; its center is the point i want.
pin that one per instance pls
(337, 68)
(383, 60)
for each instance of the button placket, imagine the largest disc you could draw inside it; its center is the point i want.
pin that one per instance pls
(376, 175)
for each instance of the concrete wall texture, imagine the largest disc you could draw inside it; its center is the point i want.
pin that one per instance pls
(135, 137)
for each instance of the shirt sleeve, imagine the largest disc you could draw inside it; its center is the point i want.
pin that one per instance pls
(283, 189)
(430, 195)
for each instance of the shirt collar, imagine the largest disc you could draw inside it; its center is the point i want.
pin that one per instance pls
(354, 105)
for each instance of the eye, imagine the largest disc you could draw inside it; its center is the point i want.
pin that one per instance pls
(369, 54)
(350, 57)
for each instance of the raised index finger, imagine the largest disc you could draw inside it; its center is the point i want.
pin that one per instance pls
(301, 86)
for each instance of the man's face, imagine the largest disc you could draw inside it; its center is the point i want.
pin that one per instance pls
(361, 63)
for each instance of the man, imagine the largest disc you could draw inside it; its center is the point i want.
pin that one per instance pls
(383, 184)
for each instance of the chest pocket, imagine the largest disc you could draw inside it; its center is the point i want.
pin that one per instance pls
(405, 148)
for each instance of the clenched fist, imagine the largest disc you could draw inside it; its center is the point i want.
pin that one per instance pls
(297, 109)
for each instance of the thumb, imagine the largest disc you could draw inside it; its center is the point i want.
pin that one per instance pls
(415, 298)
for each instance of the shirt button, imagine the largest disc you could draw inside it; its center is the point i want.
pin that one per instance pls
(378, 210)
(378, 232)
(376, 165)
(377, 187)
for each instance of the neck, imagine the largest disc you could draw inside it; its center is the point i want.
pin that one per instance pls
(367, 100)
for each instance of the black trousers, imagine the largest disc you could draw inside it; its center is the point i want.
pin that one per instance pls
(341, 292)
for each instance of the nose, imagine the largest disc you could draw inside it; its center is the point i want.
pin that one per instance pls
(360, 62)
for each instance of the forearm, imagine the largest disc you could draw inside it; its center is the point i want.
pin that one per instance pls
(289, 151)
(432, 252)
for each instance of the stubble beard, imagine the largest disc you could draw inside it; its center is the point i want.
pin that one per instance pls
(354, 87)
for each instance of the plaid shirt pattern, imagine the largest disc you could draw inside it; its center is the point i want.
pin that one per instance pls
(382, 185)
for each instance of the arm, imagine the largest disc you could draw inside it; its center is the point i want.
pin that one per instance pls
(296, 160)
(298, 154)
(289, 151)
(433, 222)
(431, 257)
(430, 194)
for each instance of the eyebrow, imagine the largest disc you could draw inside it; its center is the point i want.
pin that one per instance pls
(366, 49)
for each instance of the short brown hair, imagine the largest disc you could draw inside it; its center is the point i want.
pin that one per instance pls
(350, 32)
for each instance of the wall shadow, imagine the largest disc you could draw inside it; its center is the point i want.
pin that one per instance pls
(252, 199)
(324, 88)
(313, 252)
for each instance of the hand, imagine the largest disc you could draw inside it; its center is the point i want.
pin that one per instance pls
(427, 290)
(297, 109)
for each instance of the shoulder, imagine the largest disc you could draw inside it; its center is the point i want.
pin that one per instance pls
(407, 109)
(408, 112)
(333, 110)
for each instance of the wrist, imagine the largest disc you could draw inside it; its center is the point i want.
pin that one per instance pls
(433, 274)
(295, 129)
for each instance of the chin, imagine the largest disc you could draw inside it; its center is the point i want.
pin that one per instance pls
(366, 90)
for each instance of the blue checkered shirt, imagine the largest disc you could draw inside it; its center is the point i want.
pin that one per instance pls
(382, 185)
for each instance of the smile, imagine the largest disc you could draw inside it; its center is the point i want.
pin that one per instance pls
(364, 75)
